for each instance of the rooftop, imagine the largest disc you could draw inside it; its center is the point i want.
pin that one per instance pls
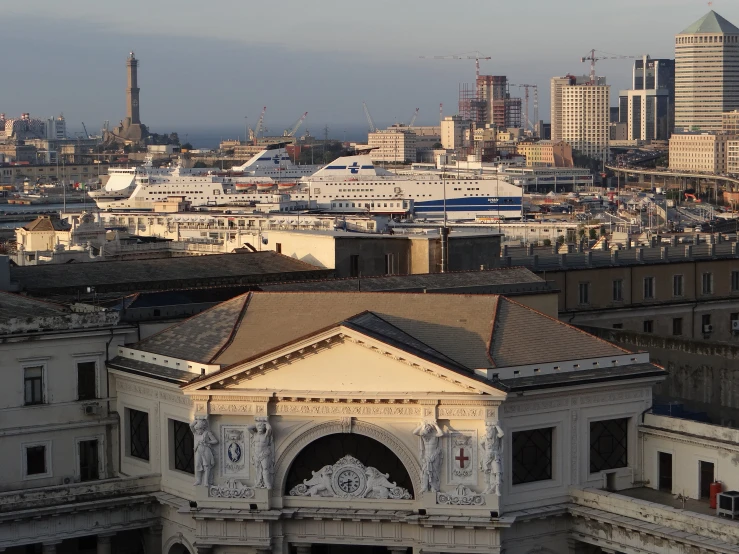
(46, 223)
(15, 306)
(237, 268)
(472, 331)
(711, 23)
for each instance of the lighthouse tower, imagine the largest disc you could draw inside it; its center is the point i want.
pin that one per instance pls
(132, 92)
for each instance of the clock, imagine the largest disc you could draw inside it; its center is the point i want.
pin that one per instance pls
(348, 481)
(134, 102)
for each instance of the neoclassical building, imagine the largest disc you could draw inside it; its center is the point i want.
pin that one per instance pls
(375, 422)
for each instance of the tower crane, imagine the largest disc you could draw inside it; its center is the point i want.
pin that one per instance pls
(371, 123)
(477, 56)
(592, 59)
(87, 135)
(259, 125)
(294, 129)
(526, 104)
(413, 119)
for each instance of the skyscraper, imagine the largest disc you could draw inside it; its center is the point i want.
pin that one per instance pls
(648, 108)
(580, 114)
(706, 73)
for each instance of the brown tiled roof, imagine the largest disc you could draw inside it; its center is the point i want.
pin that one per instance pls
(523, 336)
(457, 327)
(46, 223)
(16, 306)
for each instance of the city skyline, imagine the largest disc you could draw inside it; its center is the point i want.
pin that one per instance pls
(191, 80)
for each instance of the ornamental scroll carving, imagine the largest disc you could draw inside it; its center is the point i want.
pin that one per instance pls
(350, 478)
(231, 489)
(463, 496)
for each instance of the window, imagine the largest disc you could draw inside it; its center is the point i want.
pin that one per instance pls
(36, 460)
(618, 290)
(138, 434)
(648, 287)
(608, 444)
(677, 285)
(184, 449)
(618, 325)
(86, 386)
(705, 322)
(389, 264)
(677, 326)
(532, 455)
(707, 283)
(278, 247)
(735, 281)
(584, 293)
(354, 265)
(89, 460)
(33, 385)
(648, 326)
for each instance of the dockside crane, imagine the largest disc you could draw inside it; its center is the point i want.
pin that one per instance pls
(371, 123)
(294, 129)
(591, 57)
(413, 119)
(87, 135)
(477, 56)
(258, 128)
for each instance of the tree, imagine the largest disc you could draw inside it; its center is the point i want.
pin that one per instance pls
(593, 234)
(547, 242)
(561, 239)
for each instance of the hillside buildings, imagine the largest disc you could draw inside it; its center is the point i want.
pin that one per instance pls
(648, 108)
(706, 73)
(580, 114)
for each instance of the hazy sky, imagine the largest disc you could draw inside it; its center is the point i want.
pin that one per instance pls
(207, 64)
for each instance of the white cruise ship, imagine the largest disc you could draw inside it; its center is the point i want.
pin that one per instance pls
(351, 184)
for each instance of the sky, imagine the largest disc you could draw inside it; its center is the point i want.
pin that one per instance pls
(206, 65)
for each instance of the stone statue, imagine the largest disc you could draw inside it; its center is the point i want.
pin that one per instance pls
(491, 461)
(263, 452)
(431, 454)
(205, 459)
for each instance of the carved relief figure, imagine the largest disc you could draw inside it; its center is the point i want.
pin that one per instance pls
(205, 458)
(491, 461)
(319, 483)
(263, 452)
(431, 454)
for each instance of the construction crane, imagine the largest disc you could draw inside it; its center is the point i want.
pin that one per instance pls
(413, 119)
(477, 56)
(526, 104)
(592, 59)
(371, 123)
(87, 135)
(294, 129)
(259, 125)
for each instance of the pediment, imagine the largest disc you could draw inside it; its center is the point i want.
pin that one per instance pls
(347, 363)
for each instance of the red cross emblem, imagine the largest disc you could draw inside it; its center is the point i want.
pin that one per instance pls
(461, 458)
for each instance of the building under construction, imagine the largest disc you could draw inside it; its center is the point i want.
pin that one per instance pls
(489, 103)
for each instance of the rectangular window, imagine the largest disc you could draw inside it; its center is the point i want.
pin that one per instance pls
(677, 285)
(33, 385)
(86, 380)
(648, 288)
(89, 460)
(584, 293)
(735, 281)
(608, 444)
(532, 455)
(184, 449)
(278, 247)
(138, 434)
(389, 264)
(677, 326)
(618, 290)
(618, 325)
(707, 283)
(648, 326)
(354, 265)
(36, 460)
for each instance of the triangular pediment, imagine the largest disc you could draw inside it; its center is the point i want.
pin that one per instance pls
(344, 362)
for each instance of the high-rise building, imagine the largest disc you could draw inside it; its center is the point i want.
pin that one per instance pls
(706, 73)
(581, 115)
(648, 108)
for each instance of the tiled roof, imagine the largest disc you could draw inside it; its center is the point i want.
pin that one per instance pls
(15, 306)
(46, 223)
(454, 328)
(711, 23)
(145, 272)
(524, 336)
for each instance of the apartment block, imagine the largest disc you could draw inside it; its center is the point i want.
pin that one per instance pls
(580, 114)
(706, 152)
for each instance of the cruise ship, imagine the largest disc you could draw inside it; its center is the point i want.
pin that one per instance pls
(351, 184)
(139, 187)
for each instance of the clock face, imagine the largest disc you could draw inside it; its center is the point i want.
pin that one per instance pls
(134, 102)
(348, 481)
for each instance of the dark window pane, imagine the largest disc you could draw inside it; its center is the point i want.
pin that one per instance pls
(608, 444)
(86, 380)
(138, 424)
(89, 462)
(35, 460)
(33, 385)
(184, 448)
(532, 455)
